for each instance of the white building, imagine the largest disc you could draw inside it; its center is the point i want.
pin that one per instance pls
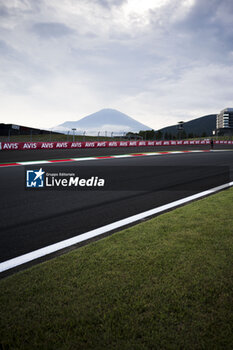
(224, 122)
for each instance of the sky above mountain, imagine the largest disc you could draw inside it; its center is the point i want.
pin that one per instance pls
(159, 61)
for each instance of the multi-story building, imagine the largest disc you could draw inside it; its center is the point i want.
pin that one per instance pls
(224, 122)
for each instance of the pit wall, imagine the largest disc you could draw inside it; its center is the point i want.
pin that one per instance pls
(6, 146)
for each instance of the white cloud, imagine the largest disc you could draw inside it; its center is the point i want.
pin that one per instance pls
(157, 61)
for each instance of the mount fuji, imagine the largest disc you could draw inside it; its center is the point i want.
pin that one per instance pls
(106, 120)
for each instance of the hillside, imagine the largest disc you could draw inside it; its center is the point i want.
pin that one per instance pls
(199, 126)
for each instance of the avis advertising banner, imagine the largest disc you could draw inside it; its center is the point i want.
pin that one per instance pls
(99, 144)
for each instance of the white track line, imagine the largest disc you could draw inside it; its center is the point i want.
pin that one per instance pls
(12, 263)
(34, 162)
(154, 154)
(122, 156)
(82, 159)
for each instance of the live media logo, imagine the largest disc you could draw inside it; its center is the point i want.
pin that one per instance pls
(35, 178)
(43, 179)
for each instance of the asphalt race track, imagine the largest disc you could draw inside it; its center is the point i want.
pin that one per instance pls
(32, 219)
(26, 155)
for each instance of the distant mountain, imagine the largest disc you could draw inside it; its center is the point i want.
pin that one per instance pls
(109, 120)
(205, 124)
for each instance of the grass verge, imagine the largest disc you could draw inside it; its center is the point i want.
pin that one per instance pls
(163, 284)
(57, 138)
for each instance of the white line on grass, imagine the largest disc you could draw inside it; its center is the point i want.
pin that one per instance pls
(12, 263)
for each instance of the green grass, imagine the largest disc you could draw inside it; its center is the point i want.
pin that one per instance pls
(55, 138)
(78, 138)
(163, 284)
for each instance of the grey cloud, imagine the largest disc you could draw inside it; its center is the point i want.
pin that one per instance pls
(51, 29)
(209, 8)
(18, 72)
(3, 47)
(4, 11)
(118, 66)
(158, 66)
(203, 12)
(107, 3)
(21, 7)
(210, 15)
(110, 3)
(7, 51)
(204, 34)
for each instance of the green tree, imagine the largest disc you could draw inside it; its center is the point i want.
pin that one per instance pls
(190, 135)
(183, 135)
(159, 135)
(147, 134)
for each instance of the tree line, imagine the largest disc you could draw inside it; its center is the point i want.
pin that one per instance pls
(159, 135)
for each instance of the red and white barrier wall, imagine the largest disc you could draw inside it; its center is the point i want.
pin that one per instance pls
(4, 146)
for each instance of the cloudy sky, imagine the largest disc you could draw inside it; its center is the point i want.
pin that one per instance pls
(159, 61)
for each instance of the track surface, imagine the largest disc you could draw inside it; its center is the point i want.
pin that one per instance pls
(16, 156)
(32, 219)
